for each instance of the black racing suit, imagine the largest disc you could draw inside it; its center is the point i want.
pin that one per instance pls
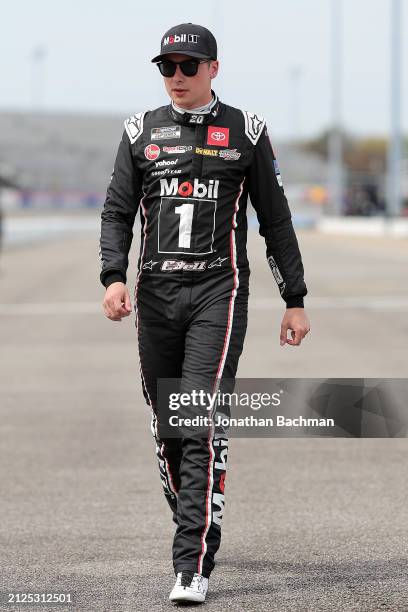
(191, 175)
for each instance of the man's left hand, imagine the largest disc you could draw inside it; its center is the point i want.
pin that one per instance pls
(297, 321)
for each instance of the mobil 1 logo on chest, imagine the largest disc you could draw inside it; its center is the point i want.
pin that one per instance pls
(187, 216)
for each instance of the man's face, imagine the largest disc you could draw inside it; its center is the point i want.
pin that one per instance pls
(190, 92)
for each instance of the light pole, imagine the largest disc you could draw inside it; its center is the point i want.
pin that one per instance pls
(38, 56)
(294, 118)
(336, 178)
(394, 203)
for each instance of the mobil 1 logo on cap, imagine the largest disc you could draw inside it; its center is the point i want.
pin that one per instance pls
(180, 38)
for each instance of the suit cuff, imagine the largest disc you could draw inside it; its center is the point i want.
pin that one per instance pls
(113, 277)
(295, 302)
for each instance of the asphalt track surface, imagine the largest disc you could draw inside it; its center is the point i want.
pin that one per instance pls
(309, 524)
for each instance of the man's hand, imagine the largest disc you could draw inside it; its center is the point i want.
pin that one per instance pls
(297, 321)
(116, 303)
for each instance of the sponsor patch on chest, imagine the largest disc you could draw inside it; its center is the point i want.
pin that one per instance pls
(231, 154)
(218, 136)
(162, 133)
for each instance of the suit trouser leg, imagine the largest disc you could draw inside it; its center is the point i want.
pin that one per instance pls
(192, 469)
(161, 352)
(213, 345)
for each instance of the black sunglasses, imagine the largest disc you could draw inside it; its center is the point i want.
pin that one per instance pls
(188, 67)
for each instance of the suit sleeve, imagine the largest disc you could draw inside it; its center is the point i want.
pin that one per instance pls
(275, 223)
(118, 215)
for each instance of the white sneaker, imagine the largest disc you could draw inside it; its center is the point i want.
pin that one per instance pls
(189, 587)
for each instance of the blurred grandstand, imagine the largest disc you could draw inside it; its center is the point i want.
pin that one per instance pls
(56, 160)
(55, 163)
(61, 160)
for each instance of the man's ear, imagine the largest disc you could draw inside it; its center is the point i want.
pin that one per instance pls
(214, 69)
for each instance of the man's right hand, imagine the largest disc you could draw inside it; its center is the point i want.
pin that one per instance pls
(116, 303)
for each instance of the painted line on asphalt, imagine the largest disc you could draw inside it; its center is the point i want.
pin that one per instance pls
(51, 308)
(362, 302)
(380, 303)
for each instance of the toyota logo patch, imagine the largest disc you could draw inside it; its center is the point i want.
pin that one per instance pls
(218, 136)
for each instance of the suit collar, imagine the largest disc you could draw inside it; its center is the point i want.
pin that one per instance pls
(196, 118)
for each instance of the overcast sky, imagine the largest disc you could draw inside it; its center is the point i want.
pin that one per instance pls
(98, 57)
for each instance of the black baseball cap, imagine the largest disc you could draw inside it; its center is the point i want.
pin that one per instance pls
(190, 39)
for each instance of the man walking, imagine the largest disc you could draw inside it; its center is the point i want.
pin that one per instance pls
(190, 167)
